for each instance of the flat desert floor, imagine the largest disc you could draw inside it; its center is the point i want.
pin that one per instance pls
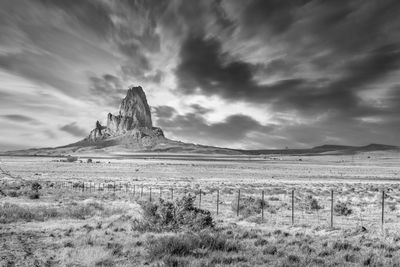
(83, 213)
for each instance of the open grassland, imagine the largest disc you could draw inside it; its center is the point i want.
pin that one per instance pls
(112, 222)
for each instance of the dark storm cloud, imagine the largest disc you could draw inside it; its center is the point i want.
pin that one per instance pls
(346, 26)
(200, 109)
(369, 67)
(133, 32)
(232, 129)
(73, 129)
(164, 112)
(204, 66)
(278, 66)
(19, 118)
(106, 89)
(275, 15)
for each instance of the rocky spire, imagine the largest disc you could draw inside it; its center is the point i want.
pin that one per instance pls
(133, 122)
(134, 113)
(135, 105)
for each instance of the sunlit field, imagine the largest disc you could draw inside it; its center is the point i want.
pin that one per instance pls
(139, 210)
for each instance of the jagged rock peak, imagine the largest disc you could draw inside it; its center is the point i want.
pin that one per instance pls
(134, 113)
(131, 125)
(135, 105)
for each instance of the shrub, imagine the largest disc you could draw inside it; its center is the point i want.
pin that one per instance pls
(77, 185)
(89, 161)
(270, 250)
(341, 208)
(13, 193)
(249, 206)
(71, 158)
(312, 203)
(34, 195)
(36, 186)
(172, 216)
(188, 244)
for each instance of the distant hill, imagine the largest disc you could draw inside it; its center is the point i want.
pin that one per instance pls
(323, 149)
(170, 146)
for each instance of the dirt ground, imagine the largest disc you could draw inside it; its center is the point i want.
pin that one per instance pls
(69, 225)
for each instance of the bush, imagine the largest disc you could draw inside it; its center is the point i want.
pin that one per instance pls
(172, 216)
(13, 193)
(188, 244)
(34, 195)
(312, 203)
(249, 206)
(36, 186)
(341, 208)
(71, 159)
(89, 161)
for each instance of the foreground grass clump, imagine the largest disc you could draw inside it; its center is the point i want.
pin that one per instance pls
(249, 206)
(190, 244)
(342, 208)
(172, 216)
(10, 213)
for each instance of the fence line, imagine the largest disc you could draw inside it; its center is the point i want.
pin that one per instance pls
(295, 218)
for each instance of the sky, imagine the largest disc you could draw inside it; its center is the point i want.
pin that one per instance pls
(242, 74)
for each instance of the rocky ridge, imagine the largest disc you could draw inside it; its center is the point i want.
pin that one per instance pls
(132, 125)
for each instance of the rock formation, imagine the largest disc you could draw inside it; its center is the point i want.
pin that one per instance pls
(132, 125)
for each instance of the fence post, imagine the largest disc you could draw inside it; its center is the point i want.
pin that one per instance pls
(134, 190)
(160, 192)
(141, 192)
(262, 205)
(332, 208)
(172, 194)
(383, 207)
(114, 186)
(150, 194)
(292, 206)
(217, 201)
(238, 203)
(83, 187)
(200, 199)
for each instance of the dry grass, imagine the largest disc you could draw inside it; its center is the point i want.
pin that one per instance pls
(71, 227)
(10, 213)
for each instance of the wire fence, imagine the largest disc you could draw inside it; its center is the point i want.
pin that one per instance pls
(278, 205)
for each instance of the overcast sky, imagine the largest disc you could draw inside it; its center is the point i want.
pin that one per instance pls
(241, 74)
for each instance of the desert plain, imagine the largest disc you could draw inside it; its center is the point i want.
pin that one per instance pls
(90, 212)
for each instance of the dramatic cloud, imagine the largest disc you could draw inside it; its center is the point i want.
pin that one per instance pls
(249, 74)
(228, 132)
(19, 118)
(74, 129)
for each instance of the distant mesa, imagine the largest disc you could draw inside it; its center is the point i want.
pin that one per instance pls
(132, 125)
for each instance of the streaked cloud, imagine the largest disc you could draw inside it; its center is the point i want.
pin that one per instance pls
(259, 73)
